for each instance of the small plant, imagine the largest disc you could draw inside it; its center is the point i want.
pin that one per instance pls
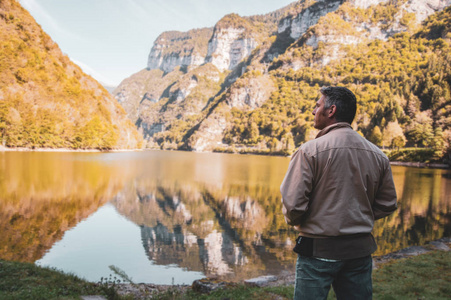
(121, 273)
(108, 286)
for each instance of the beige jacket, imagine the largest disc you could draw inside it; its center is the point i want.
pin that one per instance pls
(337, 184)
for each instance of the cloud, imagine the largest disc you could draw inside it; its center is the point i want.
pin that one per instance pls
(46, 20)
(92, 72)
(32, 5)
(160, 11)
(169, 7)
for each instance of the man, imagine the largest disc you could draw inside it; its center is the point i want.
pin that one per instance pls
(335, 187)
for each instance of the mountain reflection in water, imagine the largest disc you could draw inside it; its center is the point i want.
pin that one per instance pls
(200, 214)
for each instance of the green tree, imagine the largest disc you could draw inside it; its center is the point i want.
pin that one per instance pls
(273, 144)
(392, 130)
(438, 142)
(253, 131)
(288, 142)
(422, 134)
(97, 133)
(398, 142)
(376, 136)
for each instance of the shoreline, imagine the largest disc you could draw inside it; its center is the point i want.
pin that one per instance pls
(7, 149)
(207, 285)
(393, 163)
(419, 272)
(420, 165)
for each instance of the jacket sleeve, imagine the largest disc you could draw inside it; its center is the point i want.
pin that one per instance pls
(385, 202)
(296, 188)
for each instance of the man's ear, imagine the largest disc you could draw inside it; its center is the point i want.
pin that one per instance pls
(331, 111)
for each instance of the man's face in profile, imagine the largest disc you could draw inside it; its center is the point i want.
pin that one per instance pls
(321, 119)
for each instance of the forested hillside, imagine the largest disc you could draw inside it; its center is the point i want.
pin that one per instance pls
(263, 81)
(402, 85)
(46, 101)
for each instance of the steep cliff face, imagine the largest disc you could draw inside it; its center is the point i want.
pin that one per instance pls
(183, 90)
(144, 88)
(173, 49)
(231, 42)
(46, 100)
(424, 8)
(366, 3)
(246, 94)
(227, 48)
(251, 59)
(298, 24)
(398, 19)
(169, 62)
(210, 132)
(180, 105)
(250, 92)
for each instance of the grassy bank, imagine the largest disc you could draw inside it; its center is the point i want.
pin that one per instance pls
(28, 281)
(422, 277)
(424, 155)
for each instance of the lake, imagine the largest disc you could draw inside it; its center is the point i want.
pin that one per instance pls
(173, 217)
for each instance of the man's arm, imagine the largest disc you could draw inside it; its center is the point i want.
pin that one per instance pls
(296, 188)
(385, 202)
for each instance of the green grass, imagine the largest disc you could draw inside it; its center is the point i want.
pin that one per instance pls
(28, 281)
(239, 292)
(427, 276)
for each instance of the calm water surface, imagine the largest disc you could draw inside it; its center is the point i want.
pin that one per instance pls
(173, 217)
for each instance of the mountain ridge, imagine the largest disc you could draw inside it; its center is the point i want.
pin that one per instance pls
(256, 75)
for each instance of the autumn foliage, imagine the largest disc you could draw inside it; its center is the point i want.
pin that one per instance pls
(46, 100)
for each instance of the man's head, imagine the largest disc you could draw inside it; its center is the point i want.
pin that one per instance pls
(337, 104)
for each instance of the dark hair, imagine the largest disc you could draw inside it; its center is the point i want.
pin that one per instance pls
(343, 99)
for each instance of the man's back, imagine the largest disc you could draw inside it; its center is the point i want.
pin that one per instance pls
(346, 182)
(347, 173)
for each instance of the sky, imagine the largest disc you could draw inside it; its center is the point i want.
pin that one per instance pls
(111, 39)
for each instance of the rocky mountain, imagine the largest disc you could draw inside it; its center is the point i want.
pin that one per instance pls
(249, 83)
(174, 49)
(46, 101)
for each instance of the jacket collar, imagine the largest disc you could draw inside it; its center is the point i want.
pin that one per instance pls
(333, 127)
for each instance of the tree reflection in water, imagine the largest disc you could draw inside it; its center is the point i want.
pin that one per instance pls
(42, 195)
